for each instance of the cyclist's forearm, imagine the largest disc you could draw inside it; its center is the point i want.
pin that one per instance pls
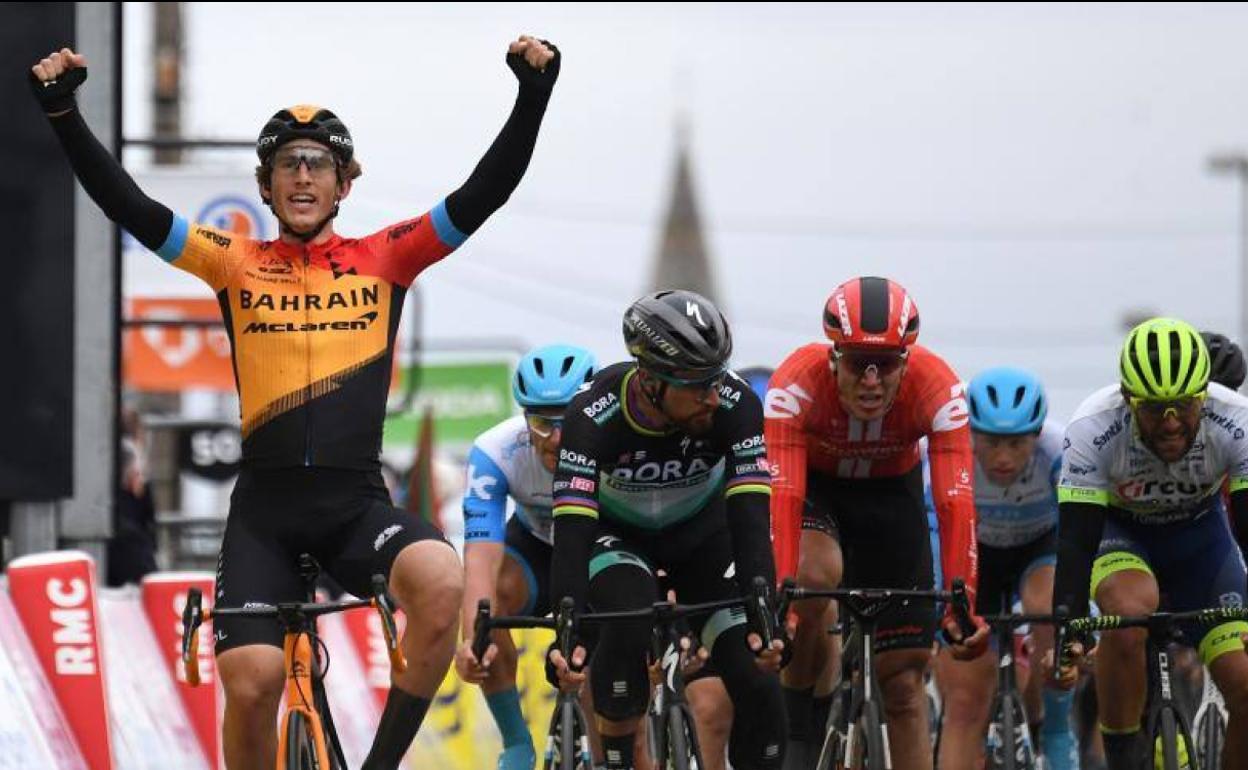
(1080, 526)
(499, 172)
(109, 185)
(483, 561)
(1239, 519)
(569, 565)
(749, 521)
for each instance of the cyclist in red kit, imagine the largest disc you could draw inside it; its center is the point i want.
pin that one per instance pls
(843, 424)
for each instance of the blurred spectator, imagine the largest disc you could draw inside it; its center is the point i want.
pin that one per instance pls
(132, 549)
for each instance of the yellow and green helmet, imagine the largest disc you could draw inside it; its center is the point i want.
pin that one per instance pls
(1164, 359)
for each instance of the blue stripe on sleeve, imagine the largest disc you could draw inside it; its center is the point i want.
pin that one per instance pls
(171, 249)
(485, 499)
(447, 232)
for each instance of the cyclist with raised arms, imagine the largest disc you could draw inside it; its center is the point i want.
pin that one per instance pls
(312, 318)
(508, 560)
(1141, 517)
(1018, 454)
(843, 429)
(662, 466)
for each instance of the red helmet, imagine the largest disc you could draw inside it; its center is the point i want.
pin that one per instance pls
(871, 312)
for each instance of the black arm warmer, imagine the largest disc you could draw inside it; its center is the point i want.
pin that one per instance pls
(569, 563)
(109, 185)
(1079, 528)
(1239, 519)
(749, 521)
(503, 165)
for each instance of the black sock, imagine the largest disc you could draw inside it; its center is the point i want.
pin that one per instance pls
(821, 708)
(619, 751)
(400, 720)
(1123, 750)
(800, 705)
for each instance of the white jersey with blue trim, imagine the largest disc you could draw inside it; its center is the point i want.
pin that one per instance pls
(503, 464)
(1017, 514)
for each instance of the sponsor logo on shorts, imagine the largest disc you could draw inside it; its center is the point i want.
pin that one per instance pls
(385, 535)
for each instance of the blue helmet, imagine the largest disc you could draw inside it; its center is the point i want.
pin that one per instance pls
(551, 375)
(757, 377)
(1008, 401)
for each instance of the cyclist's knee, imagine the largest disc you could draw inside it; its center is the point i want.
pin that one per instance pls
(252, 678)
(712, 708)
(1230, 672)
(513, 588)
(427, 580)
(902, 684)
(1128, 592)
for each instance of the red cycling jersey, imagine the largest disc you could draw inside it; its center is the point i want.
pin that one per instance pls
(806, 426)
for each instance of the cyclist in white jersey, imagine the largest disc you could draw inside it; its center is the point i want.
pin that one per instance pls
(1143, 524)
(1017, 458)
(508, 561)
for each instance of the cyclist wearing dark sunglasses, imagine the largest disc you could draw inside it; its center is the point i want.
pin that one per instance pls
(312, 318)
(843, 429)
(1143, 524)
(508, 560)
(662, 468)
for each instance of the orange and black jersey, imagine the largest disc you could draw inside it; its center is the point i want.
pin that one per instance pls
(312, 330)
(312, 327)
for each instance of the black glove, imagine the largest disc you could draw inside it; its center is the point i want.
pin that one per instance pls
(58, 95)
(542, 81)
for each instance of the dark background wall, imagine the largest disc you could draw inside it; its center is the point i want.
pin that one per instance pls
(36, 267)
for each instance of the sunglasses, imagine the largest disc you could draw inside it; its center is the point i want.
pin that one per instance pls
(1159, 410)
(859, 364)
(544, 425)
(319, 162)
(703, 387)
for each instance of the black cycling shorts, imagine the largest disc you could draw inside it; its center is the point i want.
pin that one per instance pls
(533, 555)
(881, 525)
(343, 518)
(1003, 570)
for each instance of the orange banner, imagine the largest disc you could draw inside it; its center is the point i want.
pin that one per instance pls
(167, 358)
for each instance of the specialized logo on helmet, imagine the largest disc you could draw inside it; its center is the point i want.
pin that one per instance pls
(636, 322)
(842, 313)
(235, 215)
(907, 306)
(693, 310)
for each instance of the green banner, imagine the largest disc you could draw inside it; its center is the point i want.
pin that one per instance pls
(467, 398)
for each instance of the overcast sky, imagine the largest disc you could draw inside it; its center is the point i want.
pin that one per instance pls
(1029, 172)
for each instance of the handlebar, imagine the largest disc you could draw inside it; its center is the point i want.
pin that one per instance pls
(293, 615)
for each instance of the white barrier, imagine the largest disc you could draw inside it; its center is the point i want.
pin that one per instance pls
(33, 730)
(151, 730)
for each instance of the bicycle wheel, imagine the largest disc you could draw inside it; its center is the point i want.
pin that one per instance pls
(834, 732)
(300, 746)
(1210, 738)
(1166, 743)
(873, 739)
(683, 741)
(567, 737)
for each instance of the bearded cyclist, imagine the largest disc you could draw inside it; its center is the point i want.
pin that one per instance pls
(1141, 517)
(843, 429)
(1017, 457)
(508, 560)
(312, 318)
(662, 467)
